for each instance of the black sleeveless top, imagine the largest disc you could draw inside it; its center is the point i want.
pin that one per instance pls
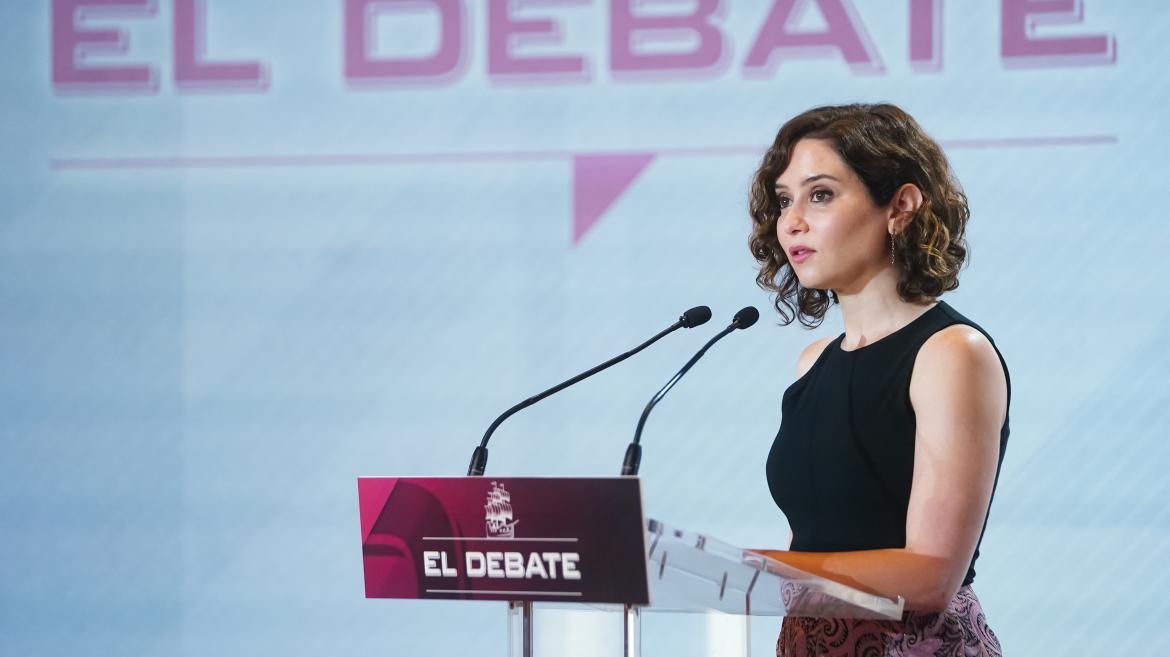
(841, 466)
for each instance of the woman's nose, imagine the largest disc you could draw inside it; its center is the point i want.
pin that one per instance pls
(792, 221)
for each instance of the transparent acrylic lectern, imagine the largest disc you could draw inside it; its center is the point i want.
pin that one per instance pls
(692, 573)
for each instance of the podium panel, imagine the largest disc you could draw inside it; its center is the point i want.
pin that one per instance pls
(504, 538)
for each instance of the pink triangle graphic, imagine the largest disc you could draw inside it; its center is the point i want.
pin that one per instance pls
(598, 181)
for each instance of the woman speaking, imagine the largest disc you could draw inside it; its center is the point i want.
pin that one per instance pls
(893, 432)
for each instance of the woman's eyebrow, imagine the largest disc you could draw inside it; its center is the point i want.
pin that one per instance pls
(813, 178)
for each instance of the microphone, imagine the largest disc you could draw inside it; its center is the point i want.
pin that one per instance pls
(694, 317)
(743, 319)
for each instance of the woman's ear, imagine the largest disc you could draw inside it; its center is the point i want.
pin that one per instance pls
(903, 206)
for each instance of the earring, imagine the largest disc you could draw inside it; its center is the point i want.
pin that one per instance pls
(891, 248)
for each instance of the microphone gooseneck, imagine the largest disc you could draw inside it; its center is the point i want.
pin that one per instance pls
(696, 316)
(633, 458)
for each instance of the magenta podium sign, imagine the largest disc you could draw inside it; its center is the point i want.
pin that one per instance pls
(504, 538)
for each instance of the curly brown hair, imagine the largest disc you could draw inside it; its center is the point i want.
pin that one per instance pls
(886, 148)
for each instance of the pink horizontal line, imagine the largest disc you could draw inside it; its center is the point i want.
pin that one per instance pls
(1030, 142)
(383, 159)
(311, 160)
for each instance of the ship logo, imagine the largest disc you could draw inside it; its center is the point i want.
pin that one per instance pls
(498, 513)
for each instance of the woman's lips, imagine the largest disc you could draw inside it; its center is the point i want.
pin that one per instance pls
(800, 255)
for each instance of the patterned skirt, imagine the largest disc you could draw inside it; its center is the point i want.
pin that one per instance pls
(959, 631)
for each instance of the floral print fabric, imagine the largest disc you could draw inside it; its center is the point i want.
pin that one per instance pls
(959, 631)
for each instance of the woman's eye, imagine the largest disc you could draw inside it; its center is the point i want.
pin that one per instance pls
(821, 195)
(784, 202)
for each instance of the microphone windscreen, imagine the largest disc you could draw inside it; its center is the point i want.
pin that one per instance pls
(695, 316)
(746, 317)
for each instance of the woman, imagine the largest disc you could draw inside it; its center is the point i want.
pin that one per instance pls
(893, 432)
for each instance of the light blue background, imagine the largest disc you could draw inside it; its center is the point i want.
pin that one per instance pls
(196, 363)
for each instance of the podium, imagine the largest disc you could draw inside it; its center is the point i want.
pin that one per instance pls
(574, 543)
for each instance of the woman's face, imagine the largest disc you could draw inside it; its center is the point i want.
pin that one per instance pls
(834, 236)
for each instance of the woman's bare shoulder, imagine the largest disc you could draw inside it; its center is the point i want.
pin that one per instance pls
(959, 366)
(809, 356)
(959, 342)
